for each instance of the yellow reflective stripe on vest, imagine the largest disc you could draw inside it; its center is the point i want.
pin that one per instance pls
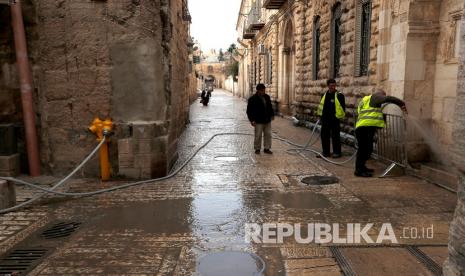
(340, 113)
(368, 111)
(369, 116)
(320, 107)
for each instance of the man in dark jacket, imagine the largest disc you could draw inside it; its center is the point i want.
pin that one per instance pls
(332, 111)
(260, 114)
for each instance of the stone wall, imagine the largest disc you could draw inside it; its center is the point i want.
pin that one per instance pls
(445, 83)
(10, 95)
(10, 101)
(112, 59)
(307, 92)
(455, 264)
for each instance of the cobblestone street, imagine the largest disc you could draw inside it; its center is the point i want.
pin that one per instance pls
(165, 228)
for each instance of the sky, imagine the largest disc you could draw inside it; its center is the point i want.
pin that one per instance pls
(214, 22)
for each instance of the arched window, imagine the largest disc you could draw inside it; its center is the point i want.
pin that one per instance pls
(316, 48)
(362, 38)
(336, 40)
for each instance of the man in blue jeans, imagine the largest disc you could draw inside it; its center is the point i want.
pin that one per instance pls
(260, 113)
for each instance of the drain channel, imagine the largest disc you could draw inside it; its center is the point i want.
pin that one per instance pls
(425, 260)
(347, 270)
(342, 261)
(59, 230)
(21, 261)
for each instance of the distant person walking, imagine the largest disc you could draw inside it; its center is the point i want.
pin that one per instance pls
(331, 110)
(370, 118)
(260, 114)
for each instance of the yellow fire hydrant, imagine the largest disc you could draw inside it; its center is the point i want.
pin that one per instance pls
(103, 129)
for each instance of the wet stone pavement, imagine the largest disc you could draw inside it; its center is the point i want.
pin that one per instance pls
(168, 227)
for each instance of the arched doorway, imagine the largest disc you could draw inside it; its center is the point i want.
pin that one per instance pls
(287, 94)
(210, 82)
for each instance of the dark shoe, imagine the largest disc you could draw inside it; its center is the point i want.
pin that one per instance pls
(323, 154)
(368, 170)
(268, 151)
(363, 174)
(337, 155)
(257, 151)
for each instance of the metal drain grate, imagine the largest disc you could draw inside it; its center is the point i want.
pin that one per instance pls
(342, 261)
(318, 180)
(21, 261)
(427, 261)
(59, 230)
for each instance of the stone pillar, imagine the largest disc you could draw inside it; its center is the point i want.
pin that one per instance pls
(7, 194)
(9, 165)
(455, 264)
(145, 154)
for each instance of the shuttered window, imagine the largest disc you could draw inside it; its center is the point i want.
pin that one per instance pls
(362, 38)
(336, 40)
(316, 48)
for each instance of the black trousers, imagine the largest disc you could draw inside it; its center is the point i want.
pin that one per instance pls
(330, 129)
(365, 136)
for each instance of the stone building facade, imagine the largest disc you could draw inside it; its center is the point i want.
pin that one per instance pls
(212, 69)
(455, 264)
(121, 59)
(407, 47)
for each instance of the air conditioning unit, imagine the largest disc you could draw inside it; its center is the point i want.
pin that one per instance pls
(261, 49)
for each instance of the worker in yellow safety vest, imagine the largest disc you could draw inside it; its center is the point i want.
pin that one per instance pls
(370, 118)
(332, 111)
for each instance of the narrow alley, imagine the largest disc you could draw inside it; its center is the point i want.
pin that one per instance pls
(169, 227)
(131, 137)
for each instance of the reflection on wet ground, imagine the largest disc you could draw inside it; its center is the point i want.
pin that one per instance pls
(230, 264)
(157, 217)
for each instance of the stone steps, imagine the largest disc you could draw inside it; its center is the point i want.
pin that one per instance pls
(437, 174)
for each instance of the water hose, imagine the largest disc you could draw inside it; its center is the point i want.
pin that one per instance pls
(302, 148)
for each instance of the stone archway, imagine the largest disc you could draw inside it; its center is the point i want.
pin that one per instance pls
(287, 93)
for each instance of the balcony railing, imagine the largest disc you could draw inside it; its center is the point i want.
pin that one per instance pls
(246, 34)
(256, 18)
(273, 4)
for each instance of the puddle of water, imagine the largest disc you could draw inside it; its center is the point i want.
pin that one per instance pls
(161, 216)
(226, 158)
(230, 263)
(301, 200)
(216, 208)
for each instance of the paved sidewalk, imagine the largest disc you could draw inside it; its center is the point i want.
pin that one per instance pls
(165, 228)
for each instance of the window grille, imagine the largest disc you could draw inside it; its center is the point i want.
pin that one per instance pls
(316, 47)
(362, 39)
(336, 40)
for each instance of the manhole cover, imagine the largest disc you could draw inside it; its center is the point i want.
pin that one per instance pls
(231, 263)
(226, 158)
(59, 230)
(317, 180)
